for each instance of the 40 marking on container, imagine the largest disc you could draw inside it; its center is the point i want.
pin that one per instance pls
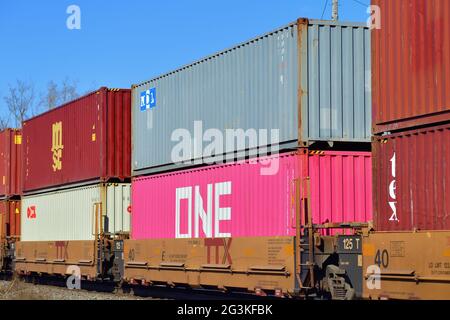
(148, 99)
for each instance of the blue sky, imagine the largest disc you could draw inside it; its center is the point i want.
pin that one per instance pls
(126, 42)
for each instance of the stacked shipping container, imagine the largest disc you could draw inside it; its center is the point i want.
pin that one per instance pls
(82, 141)
(306, 80)
(411, 68)
(72, 214)
(255, 198)
(411, 115)
(296, 86)
(411, 176)
(10, 163)
(10, 186)
(76, 158)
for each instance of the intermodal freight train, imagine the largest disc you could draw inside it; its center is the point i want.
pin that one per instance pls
(264, 168)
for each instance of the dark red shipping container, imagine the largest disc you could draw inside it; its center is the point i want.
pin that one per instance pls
(411, 64)
(88, 139)
(411, 176)
(10, 163)
(9, 218)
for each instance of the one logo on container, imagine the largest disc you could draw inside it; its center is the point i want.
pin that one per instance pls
(148, 99)
(31, 212)
(392, 191)
(57, 146)
(200, 214)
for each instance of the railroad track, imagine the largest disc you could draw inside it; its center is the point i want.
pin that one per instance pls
(107, 290)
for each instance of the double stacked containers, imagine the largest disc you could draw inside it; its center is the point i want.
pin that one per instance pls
(76, 171)
(411, 113)
(10, 190)
(411, 147)
(222, 151)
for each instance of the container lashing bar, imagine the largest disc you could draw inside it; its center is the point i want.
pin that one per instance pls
(303, 214)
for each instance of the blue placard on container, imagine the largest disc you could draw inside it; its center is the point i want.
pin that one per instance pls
(148, 99)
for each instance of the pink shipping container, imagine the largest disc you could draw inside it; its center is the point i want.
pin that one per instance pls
(252, 198)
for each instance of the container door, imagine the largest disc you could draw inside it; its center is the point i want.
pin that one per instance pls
(2, 226)
(126, 201)
(117, 208)
(14, 212)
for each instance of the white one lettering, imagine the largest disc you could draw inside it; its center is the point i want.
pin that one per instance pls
(222, 214)
(203, 217)
(183, 194)
(200, 213)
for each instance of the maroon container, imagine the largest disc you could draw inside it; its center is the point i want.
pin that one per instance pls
(412, 179)
(410, 64)
(10, 163)
(9, 218)
(87, 139)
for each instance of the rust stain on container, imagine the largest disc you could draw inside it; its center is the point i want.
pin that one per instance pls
(411, 65)
(87, 139)
(411, 177)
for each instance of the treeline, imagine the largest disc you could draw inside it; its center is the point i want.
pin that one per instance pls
(23, 102)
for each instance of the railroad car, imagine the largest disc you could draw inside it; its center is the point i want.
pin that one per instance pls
(305, 231)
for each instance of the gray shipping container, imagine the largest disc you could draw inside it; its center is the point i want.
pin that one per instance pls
(310, 80)
(71, 214)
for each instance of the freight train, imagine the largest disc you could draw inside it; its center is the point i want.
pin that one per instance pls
(145, 191)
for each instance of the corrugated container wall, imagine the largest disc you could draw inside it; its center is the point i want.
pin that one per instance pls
(88, 139)
(9, 218)
(411, 65)
(71, 214)
(252, 198)
(310, 80)
(10, 163)
(412, 178)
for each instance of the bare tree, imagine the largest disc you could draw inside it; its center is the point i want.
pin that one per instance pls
(68, 90)
(4, 123)
(57, 95)
(20, 101)
(4, 120)
(92, 87)
(50, 99)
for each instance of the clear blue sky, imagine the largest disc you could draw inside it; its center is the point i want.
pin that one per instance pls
(126, 42)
